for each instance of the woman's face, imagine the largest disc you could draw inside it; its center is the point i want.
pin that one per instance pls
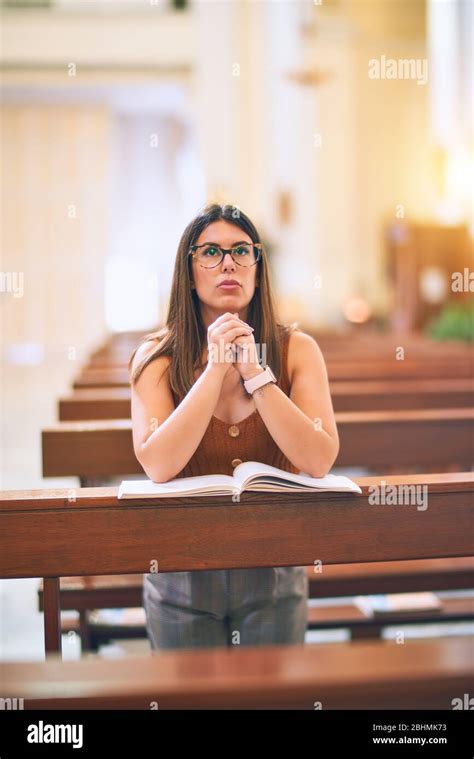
(214, 298)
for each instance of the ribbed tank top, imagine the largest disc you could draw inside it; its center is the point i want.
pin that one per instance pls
(225, 445)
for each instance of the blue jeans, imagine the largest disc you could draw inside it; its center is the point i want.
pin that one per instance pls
(223, 607)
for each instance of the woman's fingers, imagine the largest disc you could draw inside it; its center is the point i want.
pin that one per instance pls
(229, 326)
(223, 318)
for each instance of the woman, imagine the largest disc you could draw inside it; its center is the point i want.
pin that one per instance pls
(202, 403)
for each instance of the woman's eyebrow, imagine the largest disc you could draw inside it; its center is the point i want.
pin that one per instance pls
(211, 242)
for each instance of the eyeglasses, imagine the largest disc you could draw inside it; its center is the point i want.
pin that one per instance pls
(209, 255)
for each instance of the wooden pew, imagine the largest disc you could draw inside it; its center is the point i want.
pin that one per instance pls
(431, 438)
(367, 356)
(365, 340)
(114, 403)
(95, 403)
(55, 533)
(423, 368)
(83, 594)
(96, 628)
(122, 591)
(402, 395)
(338, 370)
(367, 344)
(385, 352)
(424, 674)
(95, 599)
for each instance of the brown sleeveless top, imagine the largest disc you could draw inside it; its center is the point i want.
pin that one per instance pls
(225, 445)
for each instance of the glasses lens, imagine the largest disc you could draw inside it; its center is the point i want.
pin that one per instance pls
(244, 255)
(208, 256)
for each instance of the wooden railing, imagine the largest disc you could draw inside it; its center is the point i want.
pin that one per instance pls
(60, 532)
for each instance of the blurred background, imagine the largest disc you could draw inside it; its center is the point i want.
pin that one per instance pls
(344, 129)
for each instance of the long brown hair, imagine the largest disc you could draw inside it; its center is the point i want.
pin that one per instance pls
(184, 336)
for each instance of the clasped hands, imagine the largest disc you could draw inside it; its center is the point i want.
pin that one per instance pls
(230, 341)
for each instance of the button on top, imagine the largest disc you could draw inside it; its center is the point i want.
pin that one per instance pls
(236, 462)
(233, 430)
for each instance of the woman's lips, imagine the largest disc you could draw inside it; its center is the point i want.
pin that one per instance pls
(228, 287)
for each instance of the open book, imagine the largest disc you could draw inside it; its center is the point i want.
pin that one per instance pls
(250, 475)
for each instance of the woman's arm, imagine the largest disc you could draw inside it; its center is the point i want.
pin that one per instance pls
(159, 428)
(303, 425)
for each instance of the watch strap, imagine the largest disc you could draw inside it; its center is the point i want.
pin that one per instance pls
(259, 381)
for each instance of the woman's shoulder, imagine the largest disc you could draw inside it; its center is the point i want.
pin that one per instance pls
(300, 344)
(296, 337)
(150, 345)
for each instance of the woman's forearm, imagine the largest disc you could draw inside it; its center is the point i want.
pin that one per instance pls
(184, 429)
(302, 440)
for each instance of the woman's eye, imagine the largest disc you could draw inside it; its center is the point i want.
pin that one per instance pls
(210, 251)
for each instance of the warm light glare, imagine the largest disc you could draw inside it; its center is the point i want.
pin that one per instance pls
(356, 310)
(433, 284)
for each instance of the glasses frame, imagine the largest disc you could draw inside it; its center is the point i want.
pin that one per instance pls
(258, 245)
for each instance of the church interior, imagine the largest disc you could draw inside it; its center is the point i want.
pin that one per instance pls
(344, 130)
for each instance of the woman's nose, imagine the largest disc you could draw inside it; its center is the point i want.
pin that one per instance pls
(228, 260)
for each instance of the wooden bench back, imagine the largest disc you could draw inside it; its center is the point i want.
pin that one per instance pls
(427, 674)
(388, 395)
(431, 439)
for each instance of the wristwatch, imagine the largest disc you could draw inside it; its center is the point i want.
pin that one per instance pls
(261, 379)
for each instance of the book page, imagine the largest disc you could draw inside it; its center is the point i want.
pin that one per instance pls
(217, 483)
(251, 473)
